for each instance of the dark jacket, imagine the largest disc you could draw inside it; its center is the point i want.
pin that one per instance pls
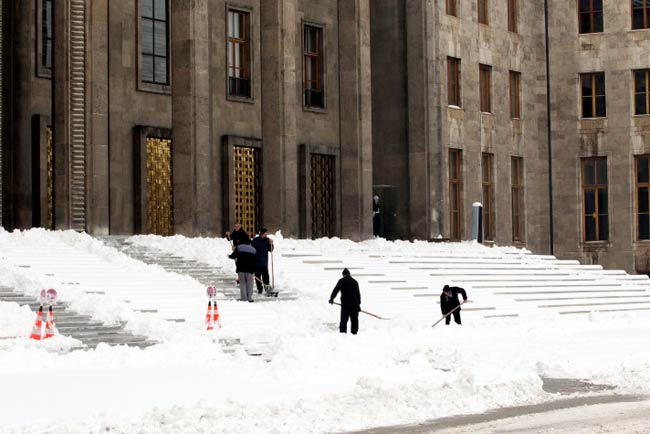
(262, 246)
(448, 303)
(244, 256)
(238, 237)
(350, 295)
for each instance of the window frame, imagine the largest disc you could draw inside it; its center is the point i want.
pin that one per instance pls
(596, 188)
(592, 14)
(248, 49)
(515, 94)
(483, 11)
(513, 16)
(454, 82)
(594, 95)
(42, 70)
(646, 93)
(321, 75)
(645, 8)
(517, 192)
(452, 8)
(487, 188)
(485, 88)
(146, 86)
(637, 186)
(456, 186)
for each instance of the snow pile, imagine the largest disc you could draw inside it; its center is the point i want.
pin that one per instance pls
(308, 378)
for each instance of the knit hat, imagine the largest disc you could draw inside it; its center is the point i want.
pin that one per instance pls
(346, 272)
(446, 288)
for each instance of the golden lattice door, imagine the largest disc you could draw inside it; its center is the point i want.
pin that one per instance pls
(246, 189)
(159, 186)
(322, 195)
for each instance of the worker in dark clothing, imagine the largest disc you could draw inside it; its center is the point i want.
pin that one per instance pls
(237, 235)
(449, 301)
(262, 245)
(350, 302)
(244, 256)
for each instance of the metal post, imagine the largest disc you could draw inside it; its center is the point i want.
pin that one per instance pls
(477, 222)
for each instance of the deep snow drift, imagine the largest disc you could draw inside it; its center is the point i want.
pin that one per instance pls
(309, 378)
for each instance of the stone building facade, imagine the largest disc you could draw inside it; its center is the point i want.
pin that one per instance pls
(183, 116)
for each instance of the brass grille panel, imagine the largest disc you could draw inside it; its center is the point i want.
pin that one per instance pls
(322, 195)
(50, 180)
(246, 195)
(159, 186)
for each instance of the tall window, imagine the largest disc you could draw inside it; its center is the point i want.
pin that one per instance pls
(591, 16)
(512, 16)
(455, 187)
(46, 34)
(593, 95)
(155, 52)
(452, 7)
(642, 92)
(515, 94)
(640, 14)
(313, 66)
(487, 167)
(453, 81)
(594, 197)
(483, 11)
(517, 192)
(238, 49)
(643, 196)
(485, 84)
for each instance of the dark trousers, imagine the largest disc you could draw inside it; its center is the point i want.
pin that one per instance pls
(353, 315)
(262, 273)
(456, 315)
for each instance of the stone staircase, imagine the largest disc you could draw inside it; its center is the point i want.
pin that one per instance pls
(81, 327)
(226, 284)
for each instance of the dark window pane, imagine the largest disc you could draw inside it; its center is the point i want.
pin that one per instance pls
(601, 171)
(47, 53)
(639, 81)
(600, 83)
(587, 84)
(590, 173)
(602, 201)
(160, 38)
(147, 36)
(640, 107)
(644, 230)
(161, 70)
(585, 23)
(642, 169)
(637, 19)
(587, 107)
(160, 12)
(584, 5)
(601, 107)
(598, 5)
(47, 19)
(147, 68)
(590, 228)
(603, 228)
(598, 22)
(147, 8)
(590, 202)
(643, 200)
(647, 17)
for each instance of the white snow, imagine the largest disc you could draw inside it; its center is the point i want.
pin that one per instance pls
(309, 378)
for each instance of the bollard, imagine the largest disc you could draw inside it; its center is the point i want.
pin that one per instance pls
(477, 222)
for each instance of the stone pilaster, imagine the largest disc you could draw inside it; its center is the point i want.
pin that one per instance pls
(279, 103)
(355, 119)
(69, 95)
(192, 151)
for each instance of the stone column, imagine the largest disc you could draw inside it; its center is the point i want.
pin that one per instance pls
(279, 104)
(69, 112)
(191, 114)
(355, 118)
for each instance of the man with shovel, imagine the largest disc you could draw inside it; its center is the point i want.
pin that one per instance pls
(350, 302)
(449, 303)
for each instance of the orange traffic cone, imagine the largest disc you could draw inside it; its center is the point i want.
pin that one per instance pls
(215, 316)
(208, 316)
(49, 324)
(38, 325)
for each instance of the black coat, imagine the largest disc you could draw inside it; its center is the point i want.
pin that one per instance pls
(449, 302)
(244, 256)
(350, 295)
(237, 237)
(262, 246)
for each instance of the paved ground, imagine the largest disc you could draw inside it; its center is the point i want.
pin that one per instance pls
(620, 414)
